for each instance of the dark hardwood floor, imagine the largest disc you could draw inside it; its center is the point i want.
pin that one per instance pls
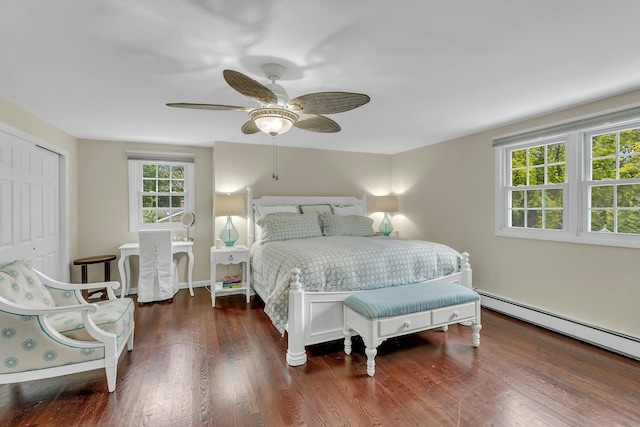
(194, 365)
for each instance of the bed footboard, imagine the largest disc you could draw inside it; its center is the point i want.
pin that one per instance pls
(317, 317)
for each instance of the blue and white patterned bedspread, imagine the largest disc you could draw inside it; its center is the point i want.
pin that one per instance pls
(340, 263)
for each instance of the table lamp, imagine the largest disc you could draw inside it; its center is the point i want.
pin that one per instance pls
(229, 205)
(385, 204)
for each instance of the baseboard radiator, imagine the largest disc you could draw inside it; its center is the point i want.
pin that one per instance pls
(619, 343)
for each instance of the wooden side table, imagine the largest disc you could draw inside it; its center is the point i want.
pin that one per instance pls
(98, 259)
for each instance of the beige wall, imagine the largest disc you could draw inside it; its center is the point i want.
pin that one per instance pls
(103, 204)
(18, 118)
(448, 196)
(302, 172)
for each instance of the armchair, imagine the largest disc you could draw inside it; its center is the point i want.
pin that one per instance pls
(47, 329)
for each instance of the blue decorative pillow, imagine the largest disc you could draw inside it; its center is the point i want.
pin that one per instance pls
(349, 225)
(281, 226)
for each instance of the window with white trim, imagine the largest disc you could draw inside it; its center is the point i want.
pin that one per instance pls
(161, 189)
(613, 180)
(576, 182)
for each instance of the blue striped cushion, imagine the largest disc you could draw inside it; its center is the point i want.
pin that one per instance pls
(399, 300)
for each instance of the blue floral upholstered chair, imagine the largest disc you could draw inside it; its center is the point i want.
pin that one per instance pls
(47, 329)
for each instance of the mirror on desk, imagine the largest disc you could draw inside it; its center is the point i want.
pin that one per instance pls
(188, 221)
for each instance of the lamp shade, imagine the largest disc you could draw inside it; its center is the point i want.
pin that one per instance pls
(385, 204)
(230, 205)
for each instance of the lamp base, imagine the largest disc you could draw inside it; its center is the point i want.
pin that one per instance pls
(385, 226)
(229, 234)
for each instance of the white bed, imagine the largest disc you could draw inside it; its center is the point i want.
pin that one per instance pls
(317, 316)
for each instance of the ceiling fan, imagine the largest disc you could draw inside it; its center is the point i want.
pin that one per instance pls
(277, 113)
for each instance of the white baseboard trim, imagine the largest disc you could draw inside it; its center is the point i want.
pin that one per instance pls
(619, 343)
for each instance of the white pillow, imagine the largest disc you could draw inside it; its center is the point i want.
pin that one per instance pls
(342, 210)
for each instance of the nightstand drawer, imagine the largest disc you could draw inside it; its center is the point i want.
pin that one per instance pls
(231, 258)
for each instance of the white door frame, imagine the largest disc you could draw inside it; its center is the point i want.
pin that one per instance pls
(63, 193)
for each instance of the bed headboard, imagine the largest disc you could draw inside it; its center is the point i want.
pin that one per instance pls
(297, 200)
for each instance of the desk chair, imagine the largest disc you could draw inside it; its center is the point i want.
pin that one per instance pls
(158, 275)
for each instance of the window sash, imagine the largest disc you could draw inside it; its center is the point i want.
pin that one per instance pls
(136, 194)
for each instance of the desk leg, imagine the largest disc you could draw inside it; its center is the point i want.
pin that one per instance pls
(123, 276)
(190, 273)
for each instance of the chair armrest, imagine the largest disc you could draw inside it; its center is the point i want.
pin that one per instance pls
(53, 283)
(28, 311)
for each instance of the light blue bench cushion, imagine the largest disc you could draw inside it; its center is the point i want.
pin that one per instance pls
(399, 300)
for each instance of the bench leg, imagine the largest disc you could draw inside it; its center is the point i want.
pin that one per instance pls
(371, 363)
(475, 334)
(347, 340)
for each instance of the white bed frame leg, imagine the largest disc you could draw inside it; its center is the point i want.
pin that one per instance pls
(465, 269)
(296, 354)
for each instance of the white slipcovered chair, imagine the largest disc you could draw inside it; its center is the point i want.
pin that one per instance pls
(158, 275)
(47, 329)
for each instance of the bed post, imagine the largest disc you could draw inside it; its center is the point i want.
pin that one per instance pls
(250, 235)
(465, 269)
(296, 354)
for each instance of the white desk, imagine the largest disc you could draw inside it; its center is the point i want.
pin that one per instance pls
(128, 249)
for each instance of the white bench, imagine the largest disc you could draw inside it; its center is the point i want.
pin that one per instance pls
(384, 313)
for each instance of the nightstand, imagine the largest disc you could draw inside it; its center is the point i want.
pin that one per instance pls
(229, 255)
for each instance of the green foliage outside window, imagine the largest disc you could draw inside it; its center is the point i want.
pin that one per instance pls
(615, 199)
(162, 192)
(541, 165)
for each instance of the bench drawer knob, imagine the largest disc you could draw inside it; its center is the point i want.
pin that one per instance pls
(406, 323)
(455, 314)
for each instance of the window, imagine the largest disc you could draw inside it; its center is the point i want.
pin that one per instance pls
(160, 189)
(536, 191)
(576, 182)
(613, 181)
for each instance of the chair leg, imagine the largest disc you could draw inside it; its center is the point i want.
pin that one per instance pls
(112, 372)
(130, 341)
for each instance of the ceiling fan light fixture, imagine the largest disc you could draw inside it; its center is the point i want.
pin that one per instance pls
(274, 121)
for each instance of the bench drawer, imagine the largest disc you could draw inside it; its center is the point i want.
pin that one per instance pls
(451, 314)
(403, 324)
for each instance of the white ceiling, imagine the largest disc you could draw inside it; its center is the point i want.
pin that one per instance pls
(435, 70)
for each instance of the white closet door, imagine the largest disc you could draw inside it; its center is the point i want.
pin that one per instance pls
(29, 204)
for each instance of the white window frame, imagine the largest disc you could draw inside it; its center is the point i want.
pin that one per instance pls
(136, 160)
(577, 158)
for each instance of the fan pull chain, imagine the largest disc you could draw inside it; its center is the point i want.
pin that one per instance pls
(274, 174)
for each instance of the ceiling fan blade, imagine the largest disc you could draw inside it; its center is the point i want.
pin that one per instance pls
(250, 127)
(315, 123)
(208, 106)
(329, 102)
(249, 87)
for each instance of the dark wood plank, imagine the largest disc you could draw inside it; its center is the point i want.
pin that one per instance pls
(195, 365)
